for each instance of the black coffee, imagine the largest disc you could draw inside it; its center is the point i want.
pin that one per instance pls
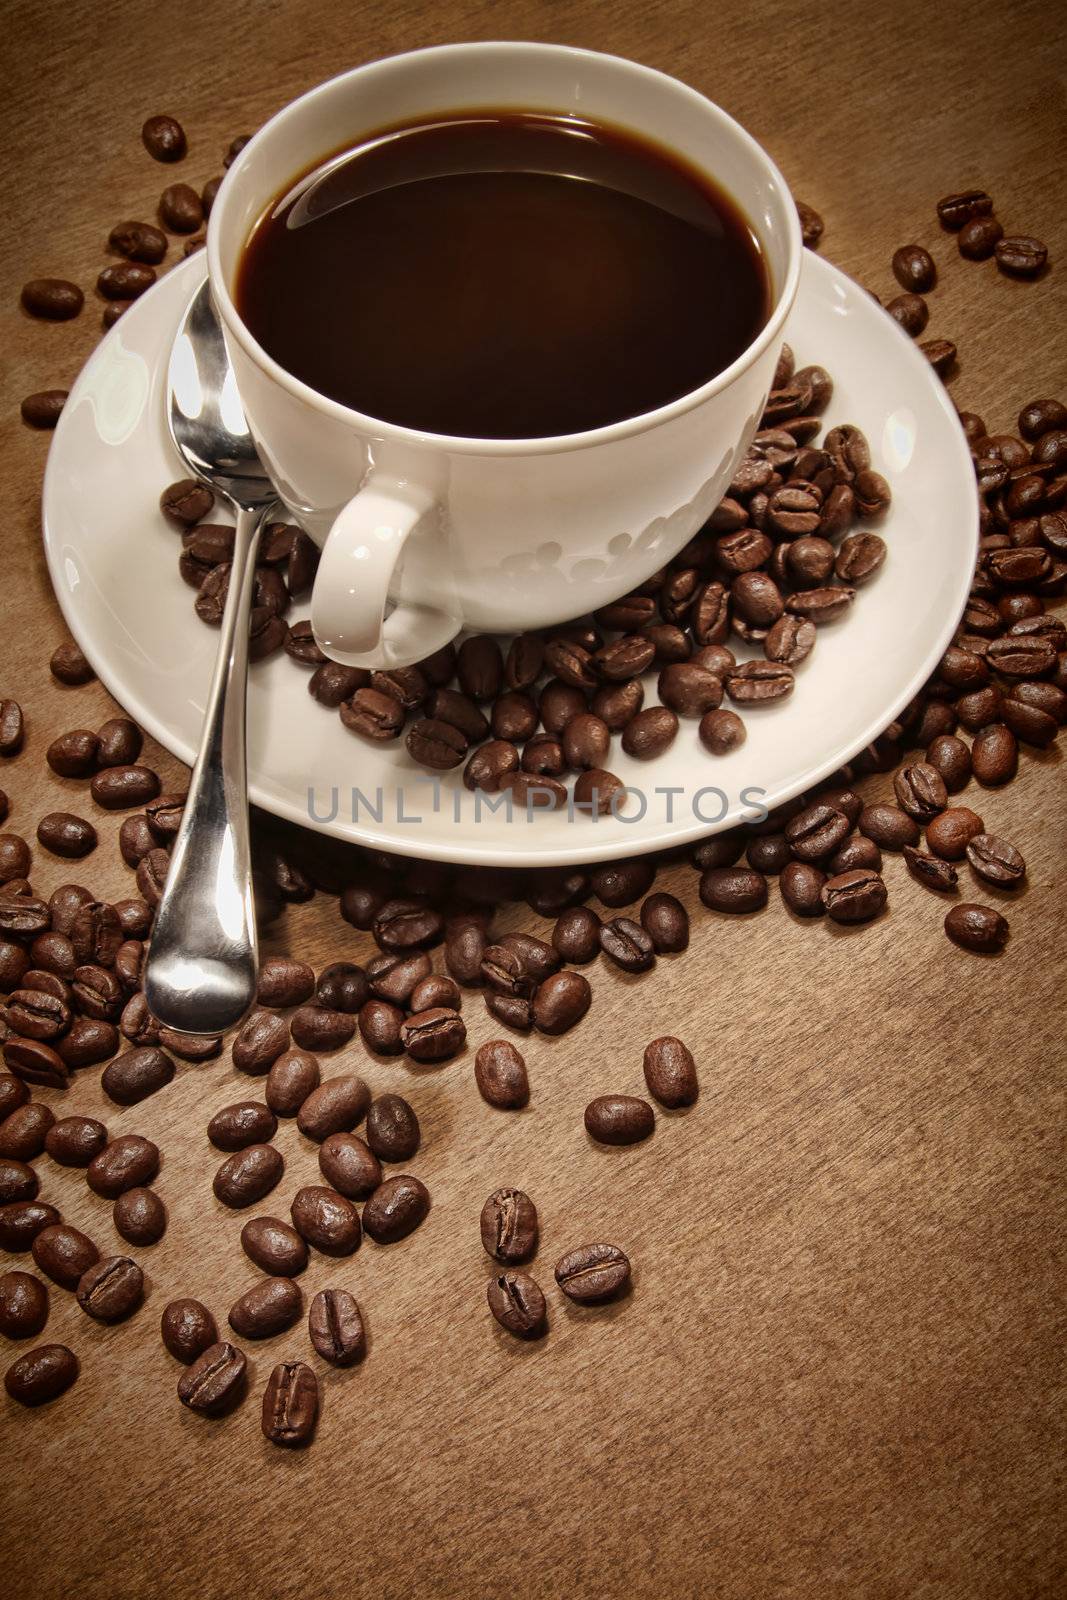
(503, 275)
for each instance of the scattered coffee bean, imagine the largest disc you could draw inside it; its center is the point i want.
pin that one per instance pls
(666, 921)
(561, 1001)
(63, 1253)
(670, 1073)
(140, 1216)
(811, 224)
(627, 944)
(248, 1175)
(593, 1272)
(995, 860)
(855, 896)
(979, 237)
(122, 788)
(349, 1165)
(24, 1131)
(956, 209)
(318, 1029)
(267, 1308)
(134, 1076)
(516, 1301)
(509, 1226)
(379, 1027)
(911, 311)
(74, 1141)
(54, 299)
(801, 887)
(721, 732)
(111, 1289)
(284, 982)
(164, 138)
(434, 1035)
(733, 889)
(977, 928)
(1020, 256)
(180, 208)
(66, 835)
(187, 1329)
(395, 1209)
(126, 1162)
(125, 281)
(336, 1328)
(290, 1405)
(43, 408)
(435, 991)
(291, 1079)
(215, 1381)
(261, 1040)
(23, 1305)
(41, 1375)
(237, 1126)
(888, 826)
(619, 1119)
(913, 268)
(931, 870)
(12, 728)
(336, 1106)
(994, 755)
(274, 1246)
(327, 1220)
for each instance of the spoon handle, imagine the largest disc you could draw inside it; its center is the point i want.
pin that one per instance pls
(201, 968)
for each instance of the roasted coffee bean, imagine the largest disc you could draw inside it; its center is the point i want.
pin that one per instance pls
(622, 659)
(930, 870)
(586, 741)
(187, 1329)
(721, 732)
(406, 924)
(248, 1175)
(855, 896)
(54, 299)
(336, 1328)
(996, 860)
(811, 224)
(74, 1141)
(435, 990)
(619, 1119)
(531, 792)
(22, 1220)
(789, 641)
(911, 311)
(13, 1094)
(18, 1181)
(666, 921)
(392, 1128)
(136, 840)
(500, 1073)
(504, 970)
(396, 1209)
(379, 1027)
(164, 138)
(12, 728)
(816, 832)
(757, 683)
(489, 764)
(137, 1023)
(136, 1074)
(1028, 722)
(599, 792)
(1021, 256)
(24, 1131)
(952, 759)
(122, 788)
(326, 1220)
(977, 928)
(889, 827)
(331, 684)
(189, 1046)
(349, 1165)
(284, 982)
(215, 1381)
(87, 1043)
(940, 353)
(769, 853)
(689, 689)
(111, 1289)
(434, 1035)
(509, 1226)
(576, 935)
(42, 410)
(336, 1106)
(954, 210)
(140, 1216)
(982, 706)
(373, 714)
(593, 1272)
(127, 1162)
(670, 1073)
(733, 889)
(514, 717)
(913, 268)
(63, 1254)
(560, 702)
(100, 994)
(41, 1375)
(274, 1246)
(1038, 417)
(119, 745)
(1022, 656)
(300, 646)
(650, 733)
(627, 944)
(36, 1062)
(290, 1405)
(23, 1305)
(126, 280)
(64, 834)
(480, 667)
(180, 208)
(436, 744)
(14, 857)
(949, 834)
(920, 791)
(801, 887)
(237, 1126)
(96, 934)
(138, 241)
(73, 754)
(69, 666)
(268, 1308)
(344, 986)
(517, 1303)
(994, 755)
(561, 1001)
(393, 977)
(260, 1042)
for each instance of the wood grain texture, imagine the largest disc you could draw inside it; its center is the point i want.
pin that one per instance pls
(840, 1372)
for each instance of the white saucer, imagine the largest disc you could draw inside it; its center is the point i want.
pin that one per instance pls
(114, 565)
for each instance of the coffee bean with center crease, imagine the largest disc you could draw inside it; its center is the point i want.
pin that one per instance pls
(23, 1305)
(996, 860)
(931, 870)
(188, 1329)
(561, 1001)
(977, 928)
(237, 1126)
(1021, 256)
(920, 791)
(326, 1220)
(259, 1043)
(855, 896)
(122, 788)
(24, 1131)
(18, 1181)
(126, 1162)
(36, 1015)
(619, 1119)
(489, 764)
(500, 1073)
(375, 715)
(290, 1405)
(274, 1246)
(111, 1289)
(41, 1375)
(336, 1106)
(136, 1075)
(759, 682)
(670, 1073)
(627, 944)
(956, 209)
(816, 832)
(393, 976)
(248, 1175)
(516, 1301)
(36, 1062)
(436, 744)
(63, 1253)
(291, 1079)
(396, 1208)
(349, 1165)
(434, 1035)
(74, 1141)
(336, 1328)
(406, 924)
(593, 1272)
(379, 1027)
(215, 1381)
(392, 1128)
(733, 889)
(140, 1216)
(284, 982)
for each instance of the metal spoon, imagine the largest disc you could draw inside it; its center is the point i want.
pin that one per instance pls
(200, 972)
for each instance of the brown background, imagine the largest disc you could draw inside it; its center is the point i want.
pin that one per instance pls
(841, 1370)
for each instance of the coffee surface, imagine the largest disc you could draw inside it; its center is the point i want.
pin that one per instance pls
(503, 275)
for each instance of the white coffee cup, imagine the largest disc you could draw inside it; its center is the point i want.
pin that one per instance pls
(424, 535)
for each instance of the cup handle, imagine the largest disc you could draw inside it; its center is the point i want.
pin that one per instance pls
(357, 565)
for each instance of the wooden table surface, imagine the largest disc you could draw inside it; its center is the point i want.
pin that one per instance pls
(841, 1368)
